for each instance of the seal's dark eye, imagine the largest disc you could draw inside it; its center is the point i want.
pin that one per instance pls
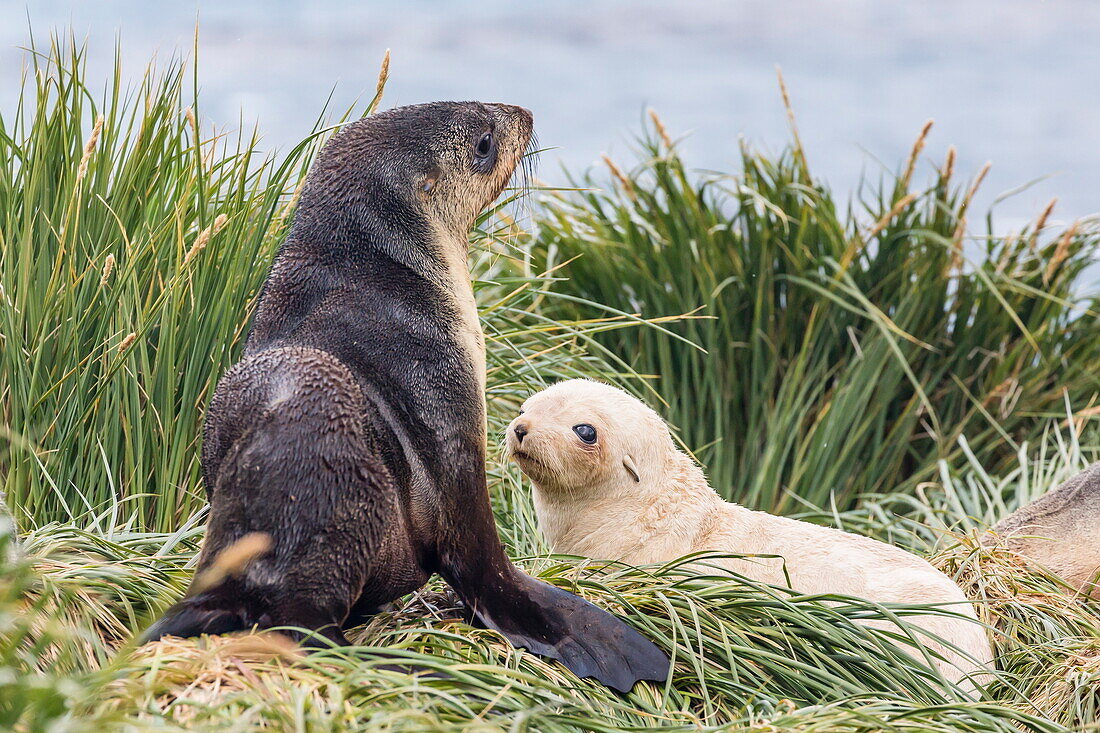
(484, 145)
(585, 432)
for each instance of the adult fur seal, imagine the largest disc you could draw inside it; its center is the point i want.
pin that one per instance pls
(352, 432)
(1060, 531)
(611, 484)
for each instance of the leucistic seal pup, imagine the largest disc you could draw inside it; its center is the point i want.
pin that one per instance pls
(609, 483)
(1060, 531)
(351, 435)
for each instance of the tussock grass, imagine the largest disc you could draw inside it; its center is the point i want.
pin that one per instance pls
(132, 244)
(845, 349)
(1067, 692)
(744, 653)
(1045, 632)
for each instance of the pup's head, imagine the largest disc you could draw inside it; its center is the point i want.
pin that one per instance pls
(429, 165)
(585, 438)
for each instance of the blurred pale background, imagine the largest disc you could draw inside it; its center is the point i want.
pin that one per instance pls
(1010, 81)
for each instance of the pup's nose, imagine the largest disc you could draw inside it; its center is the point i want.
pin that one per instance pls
(520, 430)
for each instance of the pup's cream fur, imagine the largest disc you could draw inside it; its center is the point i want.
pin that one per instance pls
(633, 496)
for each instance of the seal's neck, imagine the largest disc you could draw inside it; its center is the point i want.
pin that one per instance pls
(453, 254)
(348, 249)
(355, 234)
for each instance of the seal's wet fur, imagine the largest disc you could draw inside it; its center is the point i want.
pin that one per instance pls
(353, 430)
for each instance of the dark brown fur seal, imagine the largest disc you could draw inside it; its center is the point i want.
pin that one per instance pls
(353, 430)
(1060, 531)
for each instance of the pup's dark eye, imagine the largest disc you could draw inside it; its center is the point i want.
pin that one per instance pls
(585, 432)
(484, 145)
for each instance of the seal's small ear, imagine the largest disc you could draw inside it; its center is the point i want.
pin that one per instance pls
(628, 464)
(430, 180)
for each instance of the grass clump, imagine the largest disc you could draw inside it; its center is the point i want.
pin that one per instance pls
(746, 654)
(132, 243)
(844, 350)
(1045, 632)
(34, 639)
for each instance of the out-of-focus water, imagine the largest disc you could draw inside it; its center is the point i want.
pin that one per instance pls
(1016, 82)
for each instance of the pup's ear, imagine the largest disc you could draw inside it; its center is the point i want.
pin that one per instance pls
(628, 464)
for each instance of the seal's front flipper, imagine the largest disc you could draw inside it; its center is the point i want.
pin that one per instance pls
(554, 623)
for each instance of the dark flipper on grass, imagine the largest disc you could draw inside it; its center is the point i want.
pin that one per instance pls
(203, 613)
(555, 623)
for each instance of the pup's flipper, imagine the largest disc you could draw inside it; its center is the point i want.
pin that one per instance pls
(554, 623)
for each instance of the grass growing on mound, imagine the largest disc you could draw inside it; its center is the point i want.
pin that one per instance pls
(1047, 637)
(746, 654)
(849, 348)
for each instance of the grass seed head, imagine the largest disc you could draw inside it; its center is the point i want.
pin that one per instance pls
(204, 238)
(949, 163)
(194, 123)
(127, 342)
(89, 148)
(108, 266)
(1061, 252)
(659, 125)
(233, 560)
(914, 154)
(897, 208)
(1041, 222)
(624, 181)
(383, 75)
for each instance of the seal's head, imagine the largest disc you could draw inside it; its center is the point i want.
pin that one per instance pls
(420, 168)
(585, 438)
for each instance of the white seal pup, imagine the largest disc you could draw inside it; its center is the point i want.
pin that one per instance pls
(611, 484)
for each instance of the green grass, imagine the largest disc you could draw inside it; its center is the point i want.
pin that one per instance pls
(99, 443)
(132, 241)
(744, 653)
(845, 349)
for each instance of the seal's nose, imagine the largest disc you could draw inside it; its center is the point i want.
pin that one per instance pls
(520, 430)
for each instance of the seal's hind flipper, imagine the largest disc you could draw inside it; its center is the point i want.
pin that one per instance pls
(205, 613)
(554, 623)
